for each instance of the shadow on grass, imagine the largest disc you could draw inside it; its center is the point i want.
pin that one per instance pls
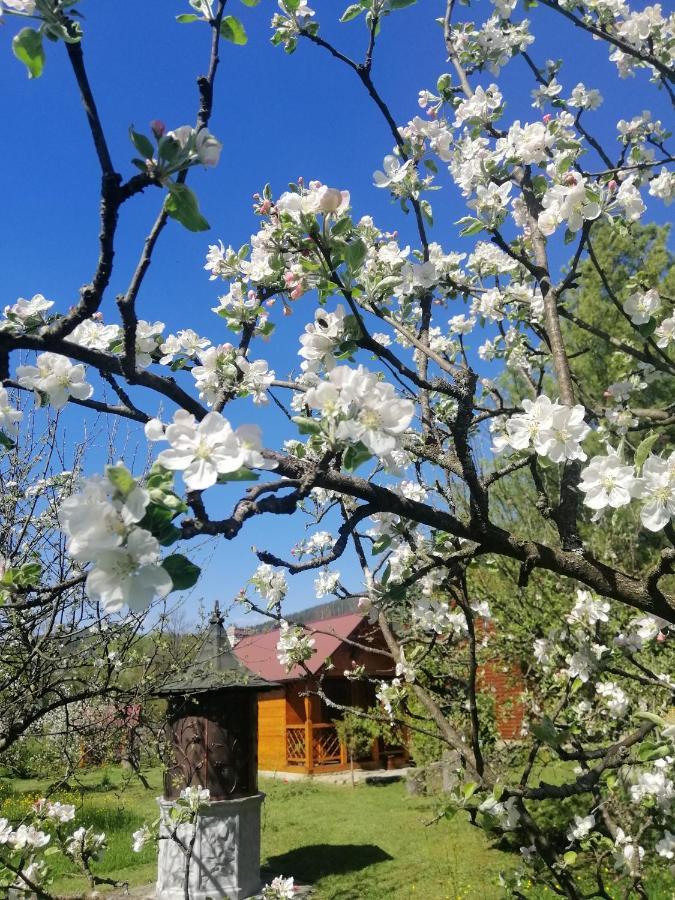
(316, 861)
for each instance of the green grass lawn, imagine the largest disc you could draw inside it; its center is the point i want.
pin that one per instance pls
(363, 843)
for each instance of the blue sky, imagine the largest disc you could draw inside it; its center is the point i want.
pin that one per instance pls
(278, 117)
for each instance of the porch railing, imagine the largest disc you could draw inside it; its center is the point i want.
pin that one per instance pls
(321, 738)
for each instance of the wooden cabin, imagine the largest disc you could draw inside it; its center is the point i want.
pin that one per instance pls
(296, 728)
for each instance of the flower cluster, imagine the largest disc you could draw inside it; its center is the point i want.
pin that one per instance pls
(294, 645)
(204, 451)
(54, 379)
(554, 430)
(270, 584)
(356, 407)
(102, 525)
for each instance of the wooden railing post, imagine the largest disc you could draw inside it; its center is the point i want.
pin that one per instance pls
(309, 737)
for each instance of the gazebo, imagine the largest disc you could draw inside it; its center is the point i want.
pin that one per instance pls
(211, 726)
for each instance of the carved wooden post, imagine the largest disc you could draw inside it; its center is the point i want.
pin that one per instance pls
(309, 737)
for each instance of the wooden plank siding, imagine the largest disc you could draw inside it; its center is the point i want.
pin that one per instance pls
(272, 730)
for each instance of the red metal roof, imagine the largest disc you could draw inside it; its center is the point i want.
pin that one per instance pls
(259, 651)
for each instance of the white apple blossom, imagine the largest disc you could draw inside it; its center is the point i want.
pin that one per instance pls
(666, 846)
(9, 416)
(294, 645)
(185, 343)
(585, 98)
(390, 694)
(321, 338)
(56, 379)
(28, 836)
(26, 313)
(326, 583)
(194, 797)
(364, 409)
(583, 825)
(629, 199)
(394, 172)
(270, 583)
(641, 306)
(130, 575)
(140, 838)
(207, 147)
(552, 429)
(658, 489)
(572, 202)
(6, 831)
(60, 812)
(279, 888)
(665, 332)
(588, 610)
(217, 372)
(204, 450)
(607, 481)
(616, 699)
(256, 378)
(148, 340)
(93, 334)
(663, 186)
(21, 7)
(483, 106)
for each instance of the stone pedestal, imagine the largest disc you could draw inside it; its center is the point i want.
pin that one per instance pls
(225, 862)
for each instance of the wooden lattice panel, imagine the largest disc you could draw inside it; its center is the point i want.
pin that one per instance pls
(295, 744)
(325, 745)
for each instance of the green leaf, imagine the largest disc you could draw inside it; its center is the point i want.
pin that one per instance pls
(306, 425)
(121, 478)
(355, 253)
(351, 12)
(231, 29)
(427, 211)
(242, 474)
(141, 143)
(157, 520)
(570, 858)
(545, 731)
(644, 449)
(291, 5)
(27, 47)
(6, 441)
(471, 226)
(250, 2)
(182, 572)
(188, 17)
(181, 204)
(470, 789)
(355, 456)
(381, 545)
(401, 4)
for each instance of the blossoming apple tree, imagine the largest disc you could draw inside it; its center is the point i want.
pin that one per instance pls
(413, 359)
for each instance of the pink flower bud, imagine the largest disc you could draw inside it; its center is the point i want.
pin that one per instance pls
(297, 292)
(265, 207)
(612, 185)
(287, 310)
(661, 637)
(289, 279)
(570, 180)
(431, 112)
(546, 118)
(158, 128)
